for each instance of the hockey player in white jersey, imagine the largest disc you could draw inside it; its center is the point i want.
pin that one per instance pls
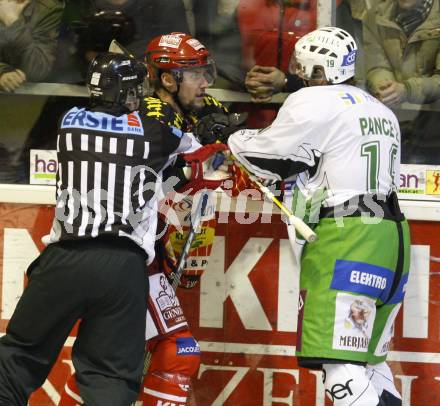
(345, 147)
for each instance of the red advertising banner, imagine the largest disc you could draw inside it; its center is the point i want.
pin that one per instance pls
(244, 314)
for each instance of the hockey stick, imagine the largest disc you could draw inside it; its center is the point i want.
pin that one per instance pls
(293, 221)
(194, 229)
(177, 274)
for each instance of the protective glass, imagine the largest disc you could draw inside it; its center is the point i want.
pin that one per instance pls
(200, 74)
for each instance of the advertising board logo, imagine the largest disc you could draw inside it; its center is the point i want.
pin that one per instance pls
(433, 182)
(43, 167)
(411, 182)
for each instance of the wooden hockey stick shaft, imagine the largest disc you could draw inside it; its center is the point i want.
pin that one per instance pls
(302, 228)
(194, 229)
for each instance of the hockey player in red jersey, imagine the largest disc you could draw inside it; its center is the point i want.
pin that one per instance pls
(180, 71)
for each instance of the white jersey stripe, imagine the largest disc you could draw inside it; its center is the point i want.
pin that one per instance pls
(84, 142)
(110, 196)
(97, 199)
(129, 151)
(113, 145)
(58, 143)
(98, 143)
(70, 170)
(60, 179)
(83, 192)
(146, 149)
(141, 187)
(126, 200)
(69, 142)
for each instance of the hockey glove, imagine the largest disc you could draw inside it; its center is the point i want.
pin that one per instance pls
(218, 127)
(203, 165)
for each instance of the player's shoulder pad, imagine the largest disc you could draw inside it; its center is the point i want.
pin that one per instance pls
(163, 112)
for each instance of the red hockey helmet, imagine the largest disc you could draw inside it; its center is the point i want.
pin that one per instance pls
(178, 52)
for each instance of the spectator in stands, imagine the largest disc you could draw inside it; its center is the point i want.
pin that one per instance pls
(264, 81)
(90, 36)
(28, 38)
(84, 21)
(269, 30)
(151, 18)
(216, 26)
(349, 16)
(94, 35)
(402, 51)
(402, 54)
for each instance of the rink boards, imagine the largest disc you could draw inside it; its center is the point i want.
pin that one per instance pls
(244, 312)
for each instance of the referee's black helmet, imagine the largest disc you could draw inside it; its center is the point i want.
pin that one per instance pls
(114, 78)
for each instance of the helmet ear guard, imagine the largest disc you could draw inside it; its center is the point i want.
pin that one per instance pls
(331, 48)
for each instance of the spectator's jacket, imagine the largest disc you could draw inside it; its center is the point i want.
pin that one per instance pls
(358, 8)
(413, 60)
(270, 28)
(29, 44)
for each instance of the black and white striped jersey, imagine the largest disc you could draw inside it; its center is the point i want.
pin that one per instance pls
(110, 174)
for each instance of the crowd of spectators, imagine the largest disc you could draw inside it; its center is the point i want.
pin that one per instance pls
(28, 39)
(402, 64)
(251, 41)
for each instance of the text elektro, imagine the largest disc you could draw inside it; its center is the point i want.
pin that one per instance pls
(365, 278)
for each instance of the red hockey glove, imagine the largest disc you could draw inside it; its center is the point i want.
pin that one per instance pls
(204, 172)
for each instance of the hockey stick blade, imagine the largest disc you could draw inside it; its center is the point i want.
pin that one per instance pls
(117, 48)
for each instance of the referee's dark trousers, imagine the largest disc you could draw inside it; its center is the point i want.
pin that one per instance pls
(104, 283)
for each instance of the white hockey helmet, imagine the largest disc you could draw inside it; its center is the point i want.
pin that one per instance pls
(330, 47)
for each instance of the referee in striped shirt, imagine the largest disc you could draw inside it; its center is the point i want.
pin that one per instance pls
(94, 267)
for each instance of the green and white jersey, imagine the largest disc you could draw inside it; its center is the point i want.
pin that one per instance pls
(338, 138)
